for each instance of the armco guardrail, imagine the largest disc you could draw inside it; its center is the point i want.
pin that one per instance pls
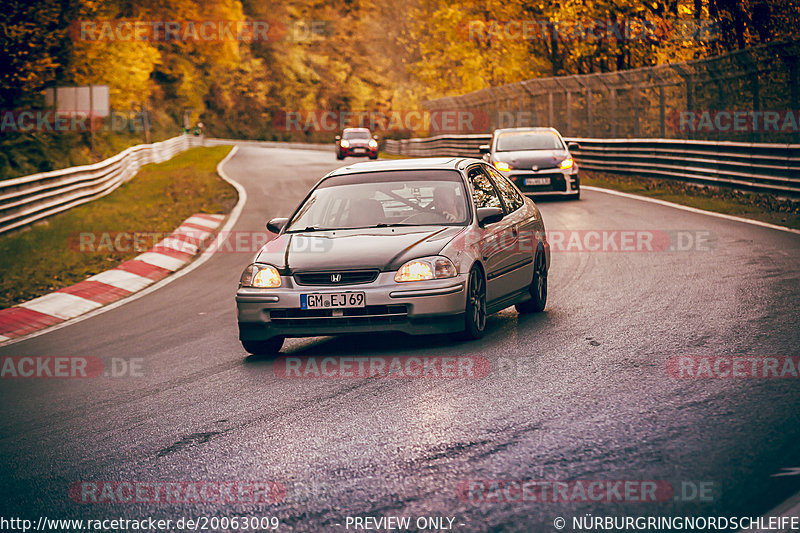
(30, 198)
(440, 145)
(327, 147)
(773, 168)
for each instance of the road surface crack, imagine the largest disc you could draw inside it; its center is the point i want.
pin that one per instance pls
(190, 441)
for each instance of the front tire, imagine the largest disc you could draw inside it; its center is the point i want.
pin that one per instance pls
(268, 347)
(537, 289)
(475, 310)
(339, 157)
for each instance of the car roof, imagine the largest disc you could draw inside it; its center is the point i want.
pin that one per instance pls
(355, 129)
(538, 129)
(419, 163)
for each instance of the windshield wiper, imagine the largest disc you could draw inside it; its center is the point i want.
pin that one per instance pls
(391, 225)
(308, 229)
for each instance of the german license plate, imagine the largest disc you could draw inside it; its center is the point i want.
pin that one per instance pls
(332, 300)
(537, 181)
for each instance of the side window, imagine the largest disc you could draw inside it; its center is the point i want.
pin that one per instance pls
(510, 195)
(483, 192)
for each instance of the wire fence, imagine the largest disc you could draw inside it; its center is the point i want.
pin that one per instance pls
(750, 95)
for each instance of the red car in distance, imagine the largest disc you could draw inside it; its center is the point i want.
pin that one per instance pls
(356, 142)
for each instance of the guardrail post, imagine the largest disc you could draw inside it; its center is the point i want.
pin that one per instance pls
(589, 111)
(756, 104)
(569, 112)
(612, 95)
(793, 94)
(689, 100)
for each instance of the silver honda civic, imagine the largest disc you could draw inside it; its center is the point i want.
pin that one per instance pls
(420, 246)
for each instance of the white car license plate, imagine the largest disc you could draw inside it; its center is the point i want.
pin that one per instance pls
(332, 300)
(537, 181)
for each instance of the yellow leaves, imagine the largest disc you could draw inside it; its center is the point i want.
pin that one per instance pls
(122, 65)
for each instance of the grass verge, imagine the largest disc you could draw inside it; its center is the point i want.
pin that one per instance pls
(47, 256)
(384, 155)
(758, 206)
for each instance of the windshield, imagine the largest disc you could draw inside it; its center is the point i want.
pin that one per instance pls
(528, 140)
(356, 135)
(384, 199)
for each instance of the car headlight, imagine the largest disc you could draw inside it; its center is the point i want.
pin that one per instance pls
(260, 277)
(567, 163)
(373, 143)
(502, 165)
(344, 143)
(436, 267)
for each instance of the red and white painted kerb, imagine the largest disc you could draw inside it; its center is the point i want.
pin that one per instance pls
(167, 256)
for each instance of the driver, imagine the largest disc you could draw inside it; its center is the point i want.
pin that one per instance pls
(445, 203)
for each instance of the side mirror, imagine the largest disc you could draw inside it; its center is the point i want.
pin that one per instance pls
(338, 137)
(277, 224)
(489, 215)
(484, 148)
(573, 146)
(375, 137)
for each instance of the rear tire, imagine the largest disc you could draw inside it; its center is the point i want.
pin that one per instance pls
(475, 310)
(537, 289)
(268, 347)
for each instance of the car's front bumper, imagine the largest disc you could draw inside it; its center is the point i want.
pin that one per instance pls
(425, 307)
(561, 183)
(356, 151)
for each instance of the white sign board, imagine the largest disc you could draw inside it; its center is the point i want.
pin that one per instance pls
(90, 99)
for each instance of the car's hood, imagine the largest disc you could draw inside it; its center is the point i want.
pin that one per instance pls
(382, 248)
(527, 159)
(358, 142)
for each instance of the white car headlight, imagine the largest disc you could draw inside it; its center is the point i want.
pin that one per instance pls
(373, 143)
(436, 267)
(260, 277)
(502, 165)
(567, 163)
(345, 143)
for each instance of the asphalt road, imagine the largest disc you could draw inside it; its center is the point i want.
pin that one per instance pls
(580, 392)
